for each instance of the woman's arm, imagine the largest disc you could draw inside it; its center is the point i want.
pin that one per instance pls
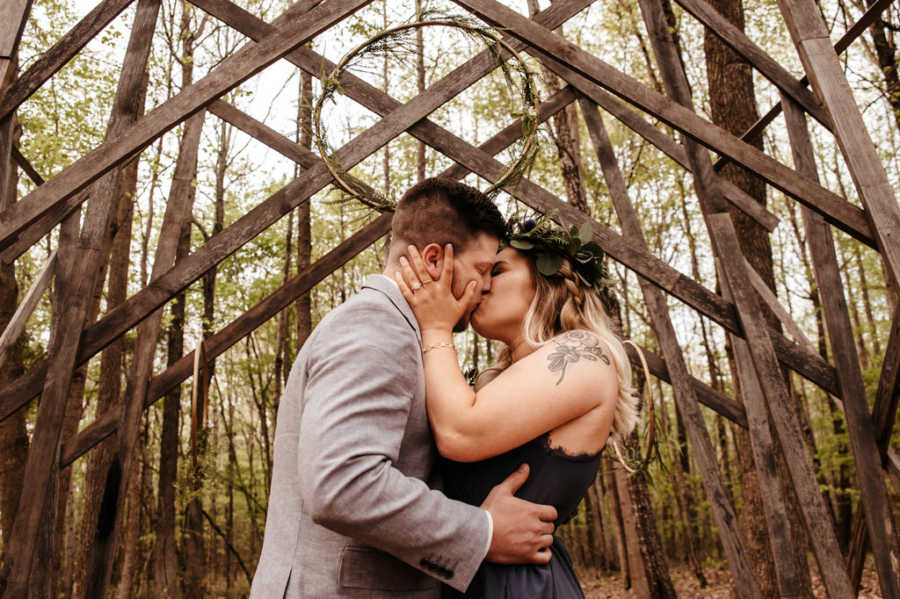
(560, 381)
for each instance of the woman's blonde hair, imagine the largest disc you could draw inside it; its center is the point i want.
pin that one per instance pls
(564, 303)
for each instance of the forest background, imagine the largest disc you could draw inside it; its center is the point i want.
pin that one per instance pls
(196, 507)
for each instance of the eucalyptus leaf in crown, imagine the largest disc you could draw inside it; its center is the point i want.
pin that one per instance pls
(550, 244)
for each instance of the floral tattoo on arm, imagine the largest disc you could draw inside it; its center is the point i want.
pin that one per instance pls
(572, 347)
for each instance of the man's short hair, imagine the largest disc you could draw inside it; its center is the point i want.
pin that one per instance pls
(439, 210)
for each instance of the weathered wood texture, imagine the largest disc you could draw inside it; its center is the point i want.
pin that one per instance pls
(757, 57)
(554, 50)
(704, 453)
(760, 349)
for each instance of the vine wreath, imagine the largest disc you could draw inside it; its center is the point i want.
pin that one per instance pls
(390, 39)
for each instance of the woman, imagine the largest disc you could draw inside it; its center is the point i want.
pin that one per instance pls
(561, 389)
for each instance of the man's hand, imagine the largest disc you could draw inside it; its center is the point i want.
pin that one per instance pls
(523, 531)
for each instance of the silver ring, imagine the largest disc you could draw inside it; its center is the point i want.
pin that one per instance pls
(416, 286)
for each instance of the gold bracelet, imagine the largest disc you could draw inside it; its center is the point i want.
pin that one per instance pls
(438, 346)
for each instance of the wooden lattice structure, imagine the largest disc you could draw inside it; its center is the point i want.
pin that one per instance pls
(760, 351)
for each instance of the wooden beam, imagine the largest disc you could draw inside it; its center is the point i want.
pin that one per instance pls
(883, 414)
(842, 44)
(33, 234)
(27, 167)
(820, 61)
(762, 355)
(888, 395)
(178, 212)
(13, 16)
(57, 56)
(555, 50)
(688, 406)
(634, 121)
(29, 302)
(231, 72)
(738, 41)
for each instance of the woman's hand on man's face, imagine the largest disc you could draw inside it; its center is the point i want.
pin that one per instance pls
(432, 301)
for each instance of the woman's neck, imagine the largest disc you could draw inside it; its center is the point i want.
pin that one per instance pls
(519, 348)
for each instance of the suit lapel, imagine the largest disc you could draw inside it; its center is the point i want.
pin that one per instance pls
(389, 289)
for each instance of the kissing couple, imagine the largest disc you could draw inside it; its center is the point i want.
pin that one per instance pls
(391, 474)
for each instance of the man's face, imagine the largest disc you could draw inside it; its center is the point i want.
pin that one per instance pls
(474, 262)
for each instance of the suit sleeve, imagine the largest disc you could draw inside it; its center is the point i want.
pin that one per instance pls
(361, 377)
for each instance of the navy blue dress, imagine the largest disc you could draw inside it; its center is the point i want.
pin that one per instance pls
(556, 479)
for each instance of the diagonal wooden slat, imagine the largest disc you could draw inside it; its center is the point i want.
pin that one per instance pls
(688, 407)
(80, 263)
(842, 44)
(631, 119)
(245, 63)
(59, 54)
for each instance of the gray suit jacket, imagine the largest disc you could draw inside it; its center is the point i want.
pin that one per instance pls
(352, 508)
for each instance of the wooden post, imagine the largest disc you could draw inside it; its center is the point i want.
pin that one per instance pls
(722, 510)
(76, 281)
(873, 492)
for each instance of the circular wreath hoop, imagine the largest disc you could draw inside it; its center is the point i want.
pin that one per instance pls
(380, 43)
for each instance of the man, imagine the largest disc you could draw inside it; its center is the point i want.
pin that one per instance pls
(353, 511)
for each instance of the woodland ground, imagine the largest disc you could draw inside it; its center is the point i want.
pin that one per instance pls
(720, 587)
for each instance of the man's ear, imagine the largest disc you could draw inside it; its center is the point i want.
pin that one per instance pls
(433, 256)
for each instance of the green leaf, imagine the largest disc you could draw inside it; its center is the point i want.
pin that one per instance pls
(521, 244)
(548, 264)
(586, 232)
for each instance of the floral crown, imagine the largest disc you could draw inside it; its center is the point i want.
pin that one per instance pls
(550, 244)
